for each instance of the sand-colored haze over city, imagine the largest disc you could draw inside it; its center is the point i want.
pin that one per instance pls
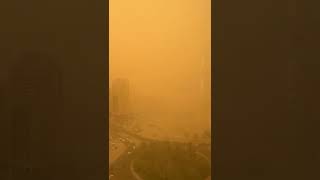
(163, 47)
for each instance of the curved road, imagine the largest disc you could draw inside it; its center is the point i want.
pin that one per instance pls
(134, 173)
(126, 162)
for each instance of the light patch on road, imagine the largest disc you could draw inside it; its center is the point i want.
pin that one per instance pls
(115, 151)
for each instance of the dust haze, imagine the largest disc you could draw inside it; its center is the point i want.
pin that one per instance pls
(163, 49)
(160, 88)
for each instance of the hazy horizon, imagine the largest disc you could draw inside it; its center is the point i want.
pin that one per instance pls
(163, 48)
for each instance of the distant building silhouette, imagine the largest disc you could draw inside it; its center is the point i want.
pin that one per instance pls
(120, 97)
(205, 89)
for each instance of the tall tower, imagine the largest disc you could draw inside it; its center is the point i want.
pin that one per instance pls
(120, 97)
(205, 88)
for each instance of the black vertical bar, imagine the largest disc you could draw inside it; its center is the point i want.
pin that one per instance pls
(254, 135)
(53, 90)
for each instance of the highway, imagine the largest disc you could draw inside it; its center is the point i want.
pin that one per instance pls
(121, 165)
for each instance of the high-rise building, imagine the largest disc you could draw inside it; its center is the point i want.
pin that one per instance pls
(120, 97)
(205, 88)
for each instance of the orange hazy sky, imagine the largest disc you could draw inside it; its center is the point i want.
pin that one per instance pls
(159, 45)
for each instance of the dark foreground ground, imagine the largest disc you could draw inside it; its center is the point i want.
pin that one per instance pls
(162, 160)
